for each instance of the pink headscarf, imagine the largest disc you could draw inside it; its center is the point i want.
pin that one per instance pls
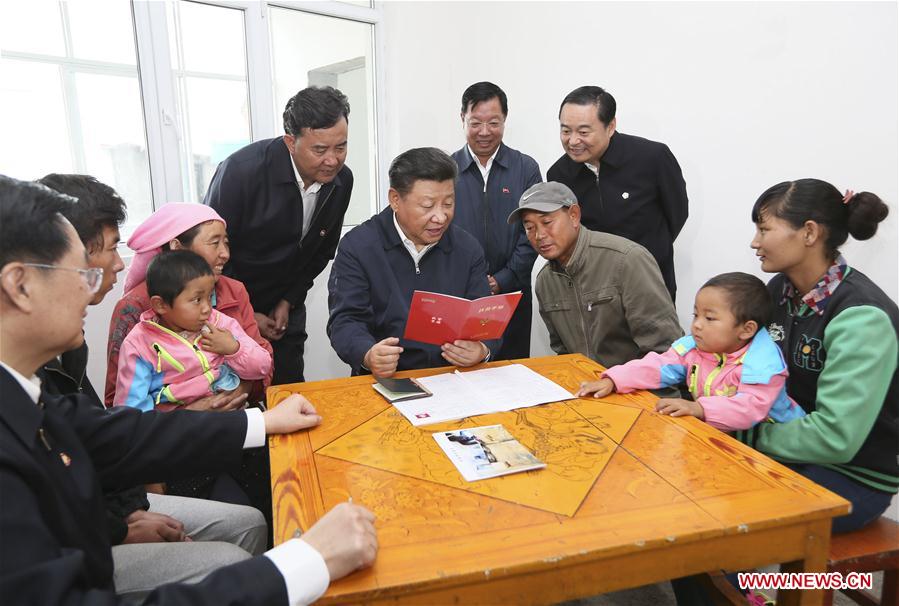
(163, 226)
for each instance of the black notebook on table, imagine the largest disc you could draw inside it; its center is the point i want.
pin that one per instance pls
(399, 390)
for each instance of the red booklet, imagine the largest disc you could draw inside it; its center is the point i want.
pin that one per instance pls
(438, 319)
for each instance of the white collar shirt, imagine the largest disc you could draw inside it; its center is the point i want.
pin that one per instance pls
(31, 386)
(310, 197)
(410, 245)
(485, 170)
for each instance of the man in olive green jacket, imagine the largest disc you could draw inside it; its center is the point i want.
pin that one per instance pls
(600, 295)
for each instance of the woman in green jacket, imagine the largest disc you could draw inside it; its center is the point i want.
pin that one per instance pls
(838, 331)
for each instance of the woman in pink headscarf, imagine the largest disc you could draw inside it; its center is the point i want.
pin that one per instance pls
(200, 229)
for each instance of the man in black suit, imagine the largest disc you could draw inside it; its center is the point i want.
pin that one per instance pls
(284, 200)
(57, 452)
(627, 186)
(155, 538)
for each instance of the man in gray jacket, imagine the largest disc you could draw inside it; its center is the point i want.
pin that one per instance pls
(599, 295)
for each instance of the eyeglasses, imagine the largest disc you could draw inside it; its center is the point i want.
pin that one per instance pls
(92, 277)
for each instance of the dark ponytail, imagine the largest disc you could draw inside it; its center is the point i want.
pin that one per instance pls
(814, 200)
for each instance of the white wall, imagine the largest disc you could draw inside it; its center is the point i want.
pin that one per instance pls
(745, 94)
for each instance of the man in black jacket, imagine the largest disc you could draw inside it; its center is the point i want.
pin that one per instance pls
(627, 186)
(284, 200)
(56, 452)
(156, 538)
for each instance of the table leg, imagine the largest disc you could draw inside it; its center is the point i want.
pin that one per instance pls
(817, 550)
(890, 593)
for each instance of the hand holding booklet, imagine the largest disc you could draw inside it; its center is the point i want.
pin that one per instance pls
(437, 319)
(486, 452)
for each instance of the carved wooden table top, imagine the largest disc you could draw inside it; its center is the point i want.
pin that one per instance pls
(628, 497)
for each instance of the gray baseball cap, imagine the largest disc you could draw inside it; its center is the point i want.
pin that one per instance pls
(544, 198)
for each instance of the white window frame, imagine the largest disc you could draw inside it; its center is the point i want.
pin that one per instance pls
(160, 100)
(69, 67)
(160, 103)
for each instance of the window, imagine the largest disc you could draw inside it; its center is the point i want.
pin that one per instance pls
(208, 59)
(314, 58)
(150, 96)
(71, 96)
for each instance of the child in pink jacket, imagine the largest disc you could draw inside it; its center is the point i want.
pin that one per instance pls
(183, 349)
(734, 370)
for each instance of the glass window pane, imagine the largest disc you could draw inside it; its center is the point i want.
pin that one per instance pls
(33, 116)
(218, 124)
(315, 58)
(102, 30)
(112, 131)
(32, 27)
(210, 38)
(214, 109)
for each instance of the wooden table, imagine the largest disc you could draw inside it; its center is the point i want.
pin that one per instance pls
(629, 497)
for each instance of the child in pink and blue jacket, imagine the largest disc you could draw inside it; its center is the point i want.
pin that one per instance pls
(183, 349)
(733, 369)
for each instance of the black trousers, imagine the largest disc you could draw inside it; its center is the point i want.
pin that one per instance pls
(517, 338)
(289, 349)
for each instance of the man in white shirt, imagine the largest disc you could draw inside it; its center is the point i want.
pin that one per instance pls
(55, 452)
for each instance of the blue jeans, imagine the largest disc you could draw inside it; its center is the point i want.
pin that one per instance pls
(867, 505)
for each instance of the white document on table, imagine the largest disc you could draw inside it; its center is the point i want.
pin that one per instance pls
(457, 395)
